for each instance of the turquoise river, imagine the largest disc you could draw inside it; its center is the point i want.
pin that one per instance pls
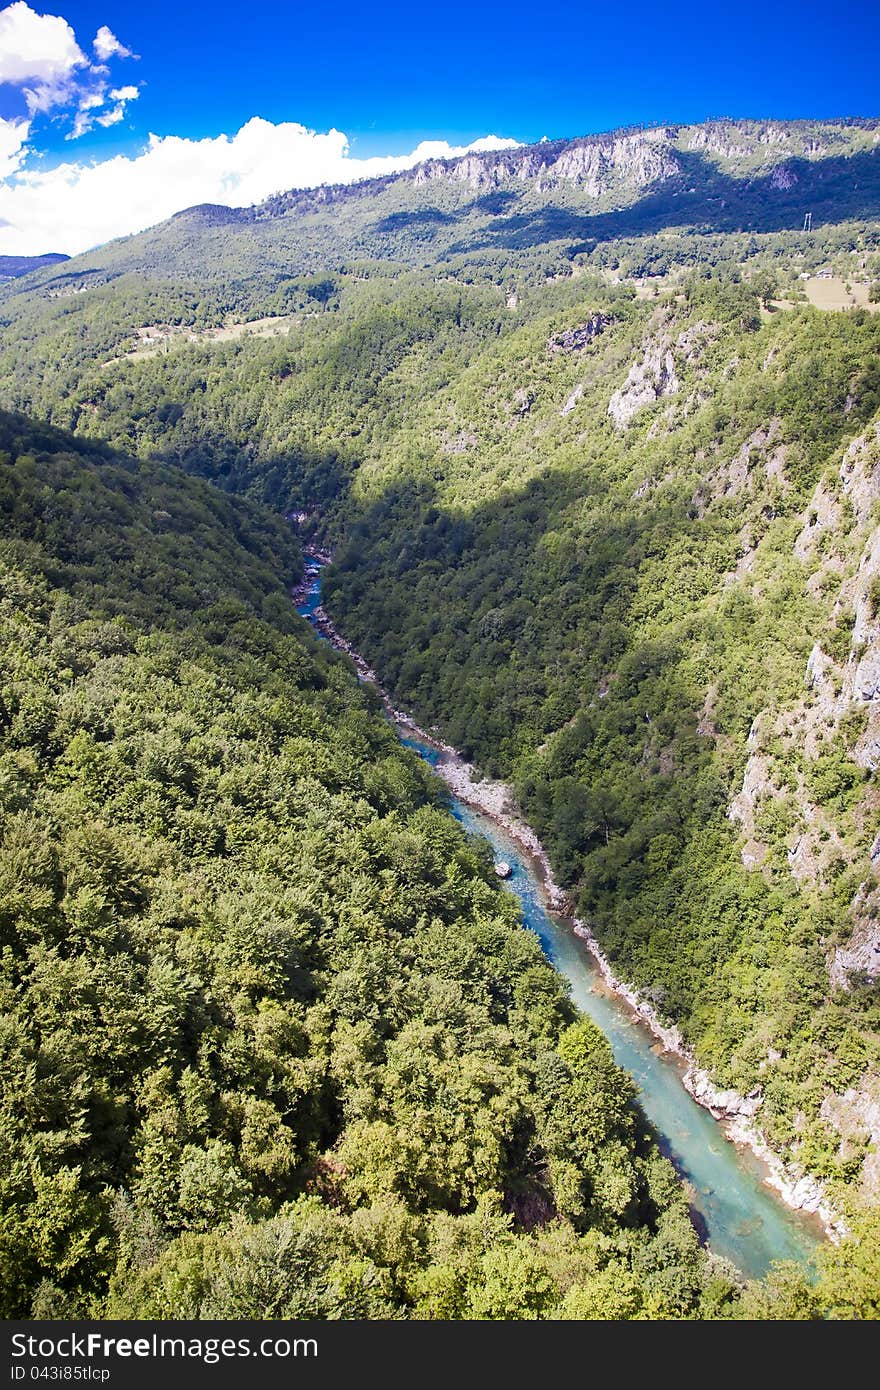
(738, 1214)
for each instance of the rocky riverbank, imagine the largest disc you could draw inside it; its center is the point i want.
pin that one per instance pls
(735, 1112)
(496, 800)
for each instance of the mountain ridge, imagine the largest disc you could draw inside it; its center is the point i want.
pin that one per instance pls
(779, 161)
(566, 157)
(12, 267)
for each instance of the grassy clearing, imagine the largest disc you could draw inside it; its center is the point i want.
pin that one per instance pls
(835, 293)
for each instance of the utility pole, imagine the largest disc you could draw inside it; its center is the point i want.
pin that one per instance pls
(808, 222)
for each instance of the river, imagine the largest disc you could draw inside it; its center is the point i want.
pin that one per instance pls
(738, 1214)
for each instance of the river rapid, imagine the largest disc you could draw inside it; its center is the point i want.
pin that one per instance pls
(733, 1205)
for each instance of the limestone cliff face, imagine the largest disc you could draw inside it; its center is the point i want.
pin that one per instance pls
(596, 164)
(632, 160)
(638, 160)
(769, 141)
(855, 1115)
(654, 376)
(574, 339)
(482, 171)
(786, 822)
(658, 372)
(841, 702)
(783, 178)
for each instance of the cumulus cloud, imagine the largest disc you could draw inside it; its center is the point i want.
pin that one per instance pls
(77, 205)
(107, 45)
(39, 55)
(36, 47)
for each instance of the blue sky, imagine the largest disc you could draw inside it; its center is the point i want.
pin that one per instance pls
(393, 75)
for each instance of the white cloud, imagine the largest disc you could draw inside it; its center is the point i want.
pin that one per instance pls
(13, 135)
(40, 55)
(91, 102)
(49, 94)
(76, 206)
(36, 47)
(120, 96)
(112, 117)
(107, 45)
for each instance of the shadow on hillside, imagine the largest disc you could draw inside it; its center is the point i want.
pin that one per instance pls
(701, 198)
(401, 221)
(410, 568)
(511, 630)
(288, 480)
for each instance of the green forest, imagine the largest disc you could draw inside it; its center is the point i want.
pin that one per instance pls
(601, 486)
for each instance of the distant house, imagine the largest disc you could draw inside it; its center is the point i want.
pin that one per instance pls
(826, 273)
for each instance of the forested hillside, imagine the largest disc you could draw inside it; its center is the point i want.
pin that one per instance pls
(602, 486)
(12, 267)
(662, 628)
(263, 1001)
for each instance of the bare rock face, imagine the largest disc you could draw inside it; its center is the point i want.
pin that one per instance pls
(657, 374)
(855, 1115)
(867, 677)
(691, 343)
(732, 476)
(858, 956)
(722, 1104)
(838, 683)
(738, 139)
(648, 380)
(574, 339)
(818, 665)
(773, 134)
(860, 472)
(596, 163)
(783, 178)
(866, 754)
(486, 172)
(726, 140)
(572, 400)
(756, 785)
(637, 160)
(823, 515)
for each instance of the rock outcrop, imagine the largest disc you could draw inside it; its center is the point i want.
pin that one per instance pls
(866, 683)
(647, 381)
(572, 400)
(596, 163)
(657, 374)
(858, 957)
(855, 1115)
(574, 339)
(783, 178)
(640, 160)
